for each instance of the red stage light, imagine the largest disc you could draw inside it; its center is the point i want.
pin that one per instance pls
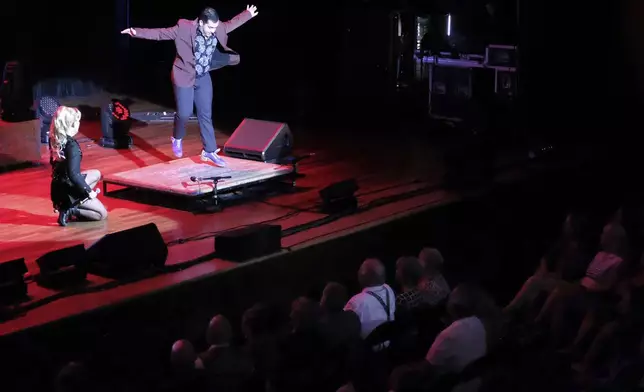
(120, 111)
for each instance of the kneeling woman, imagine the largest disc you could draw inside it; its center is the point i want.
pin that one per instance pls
(72, 191)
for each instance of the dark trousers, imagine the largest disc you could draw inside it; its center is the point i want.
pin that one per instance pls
(200, 96)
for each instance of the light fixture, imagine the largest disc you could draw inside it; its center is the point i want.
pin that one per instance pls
(115, 125)
(46, 109)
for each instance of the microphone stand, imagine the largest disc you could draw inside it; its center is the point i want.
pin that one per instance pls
(293, 161)
(215, 206)
(215, 194)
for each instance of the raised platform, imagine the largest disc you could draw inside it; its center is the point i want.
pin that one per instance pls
(174, 177)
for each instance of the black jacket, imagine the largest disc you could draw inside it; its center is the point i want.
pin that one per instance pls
(68, 186)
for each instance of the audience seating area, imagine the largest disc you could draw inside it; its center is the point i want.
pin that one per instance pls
(576, 324)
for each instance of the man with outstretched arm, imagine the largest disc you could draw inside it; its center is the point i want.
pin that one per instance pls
(197, 54)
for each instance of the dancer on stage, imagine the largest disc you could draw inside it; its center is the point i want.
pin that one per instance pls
(197, 54)
(72, 191)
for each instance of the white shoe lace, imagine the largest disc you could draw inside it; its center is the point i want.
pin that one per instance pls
(203, 152)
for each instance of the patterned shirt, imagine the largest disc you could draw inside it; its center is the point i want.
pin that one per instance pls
(204, 48)
(435, 289)
(410, 299)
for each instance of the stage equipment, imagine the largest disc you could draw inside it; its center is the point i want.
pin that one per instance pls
(115, 125)
(63, 267)
(15, 94)
(249, 242)
(159, 117)
(19, 144)
(128, 252)
(504, 60)
(501, 55)
(259, 140)
(13, 287)
(46, 109)
(175, 178)
(339, 197)
(451, 85)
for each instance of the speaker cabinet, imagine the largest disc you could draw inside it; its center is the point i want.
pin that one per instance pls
(259, 140)
(128, 251)
(13, 287)
(62, 267)
(19, 143)
(249, 242)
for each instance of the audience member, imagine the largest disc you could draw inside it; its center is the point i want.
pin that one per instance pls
(303, 351)
(591, 297)
(262, 337)
(376, 303)
(227, 367)
(184, 358)
(73, 377)
(409, 273)
(187, 368)
(566, 261)
(340, 327)
(433, 285)
(464, 340)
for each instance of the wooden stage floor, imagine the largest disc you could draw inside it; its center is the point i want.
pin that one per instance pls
(386, 166)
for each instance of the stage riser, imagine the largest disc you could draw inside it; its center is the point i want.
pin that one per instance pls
(174, 177)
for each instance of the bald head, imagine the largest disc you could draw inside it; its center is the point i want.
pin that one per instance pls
(371, 273)
(334, 297)
(183, 354)
(219, 331)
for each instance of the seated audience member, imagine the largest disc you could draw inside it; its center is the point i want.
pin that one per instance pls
(260, 331)
(226, 366)
(73, 377)
(591, 296)
(625, 330)
(566, 261)
(433, 285)
(376, 303)
(184, 358)
(409, 273)
(186, 368)
(464, 340)
(302, 351)
(602, 272)
(340, 327)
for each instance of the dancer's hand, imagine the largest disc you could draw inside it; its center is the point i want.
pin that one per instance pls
(129, 31)
(252, 9)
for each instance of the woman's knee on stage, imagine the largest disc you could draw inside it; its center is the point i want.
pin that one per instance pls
(96, 206)
(92, 176)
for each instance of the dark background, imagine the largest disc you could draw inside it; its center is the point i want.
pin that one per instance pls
(579, 62)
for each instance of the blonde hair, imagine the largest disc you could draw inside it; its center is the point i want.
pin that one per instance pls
(64, 123)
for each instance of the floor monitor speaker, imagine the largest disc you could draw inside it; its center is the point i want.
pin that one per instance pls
(249, 242)
(128, 251)
(259, 140)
